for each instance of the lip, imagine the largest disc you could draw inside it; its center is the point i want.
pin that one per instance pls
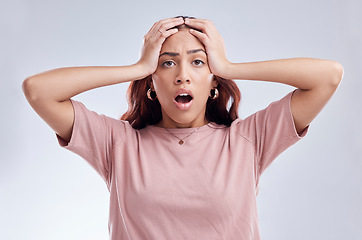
(183, 90)
(183, 106)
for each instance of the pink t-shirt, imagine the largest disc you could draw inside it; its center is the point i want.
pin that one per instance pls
(204, 189)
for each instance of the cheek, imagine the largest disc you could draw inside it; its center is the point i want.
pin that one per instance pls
(161, 86)
(210, 78)
(157, 82)
(207, 81)
(205, 84)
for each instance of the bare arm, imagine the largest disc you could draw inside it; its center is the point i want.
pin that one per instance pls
(64, 83)
(316, 79)
(48, 93)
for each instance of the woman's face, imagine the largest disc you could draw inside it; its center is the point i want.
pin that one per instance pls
(183, 81)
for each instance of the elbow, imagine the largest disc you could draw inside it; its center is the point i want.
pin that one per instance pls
(29, 88)
(331, 77)
(337, 73)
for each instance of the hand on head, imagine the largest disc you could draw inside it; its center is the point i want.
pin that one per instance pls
(154, 39)
(213, 42)
(207, 34)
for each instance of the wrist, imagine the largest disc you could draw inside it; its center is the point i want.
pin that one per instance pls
(143, 69)
(226, 70)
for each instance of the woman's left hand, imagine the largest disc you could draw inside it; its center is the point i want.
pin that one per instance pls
(214, 44)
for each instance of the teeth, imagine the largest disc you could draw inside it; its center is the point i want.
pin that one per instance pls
(183, 95)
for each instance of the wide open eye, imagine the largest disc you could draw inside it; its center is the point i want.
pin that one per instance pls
(167, 64)
(198, 62)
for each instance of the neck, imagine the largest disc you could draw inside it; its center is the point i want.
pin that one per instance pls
(168, 122)
(173, 124)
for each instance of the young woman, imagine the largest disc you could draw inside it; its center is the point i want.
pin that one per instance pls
(180, 164)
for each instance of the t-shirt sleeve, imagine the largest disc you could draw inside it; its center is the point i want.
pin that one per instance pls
(272, 131)
(92, 138)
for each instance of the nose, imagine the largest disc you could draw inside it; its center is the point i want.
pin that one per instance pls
(182, 75)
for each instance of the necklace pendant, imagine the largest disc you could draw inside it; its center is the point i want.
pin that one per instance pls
(181, 142)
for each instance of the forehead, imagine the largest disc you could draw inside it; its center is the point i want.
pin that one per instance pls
(180, 42)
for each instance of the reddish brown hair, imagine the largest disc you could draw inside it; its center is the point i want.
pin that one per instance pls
(142, 111)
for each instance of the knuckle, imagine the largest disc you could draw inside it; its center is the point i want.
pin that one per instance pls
(146, 39)
(162, 21)
(209, 22)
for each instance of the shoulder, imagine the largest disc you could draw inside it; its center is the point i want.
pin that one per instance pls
(276, 112)
(84, 116)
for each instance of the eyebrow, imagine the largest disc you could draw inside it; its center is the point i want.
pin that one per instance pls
(174, 54)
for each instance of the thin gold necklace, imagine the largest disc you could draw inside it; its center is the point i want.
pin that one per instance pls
(182, 139)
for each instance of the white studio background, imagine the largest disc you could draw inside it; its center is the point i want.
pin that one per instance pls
(312, 191)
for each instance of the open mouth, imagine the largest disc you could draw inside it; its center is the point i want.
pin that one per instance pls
(183, 98)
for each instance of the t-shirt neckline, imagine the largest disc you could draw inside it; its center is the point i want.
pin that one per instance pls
(206, 127)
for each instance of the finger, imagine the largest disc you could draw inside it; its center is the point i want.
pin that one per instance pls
(196, 20)
(148, 34)
(158, 24)
(201, 36)
(197, 23)
(166, 25)
(204, 25)
(162, 36)
(153, 27)
(162, 31)
(193, 20)
(168, 33)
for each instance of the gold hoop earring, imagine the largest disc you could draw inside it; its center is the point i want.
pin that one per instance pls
(149, 92)
(215, 94)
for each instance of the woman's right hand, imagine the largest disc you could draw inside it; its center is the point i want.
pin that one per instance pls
(49, 92)
(153, 41)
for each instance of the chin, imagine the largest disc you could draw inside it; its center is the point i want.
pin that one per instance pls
(186, 120)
